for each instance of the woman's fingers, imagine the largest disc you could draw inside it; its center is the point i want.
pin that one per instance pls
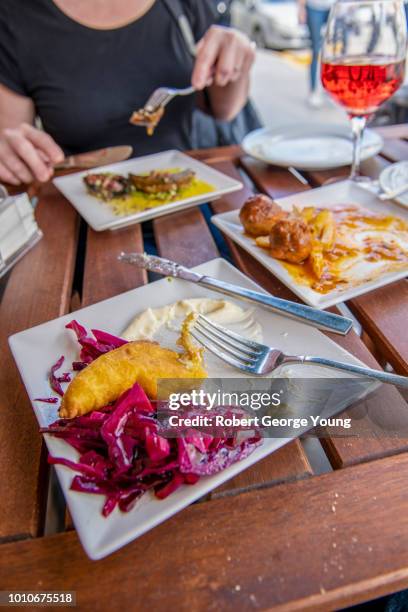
(29, 155)
(43, 141)
(207, 53)
(13, 163)
(8, 177)
(223, 53)
(229, 63)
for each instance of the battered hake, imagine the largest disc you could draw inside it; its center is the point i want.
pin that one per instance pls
(111, 374)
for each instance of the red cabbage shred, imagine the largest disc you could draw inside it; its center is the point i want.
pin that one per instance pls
(123, 454)
(92, 347)
(55, 381)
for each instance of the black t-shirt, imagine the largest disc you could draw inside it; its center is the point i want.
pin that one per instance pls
(86, 82)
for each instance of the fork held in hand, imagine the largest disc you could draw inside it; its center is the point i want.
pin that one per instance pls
(258, 359)
(163, 95)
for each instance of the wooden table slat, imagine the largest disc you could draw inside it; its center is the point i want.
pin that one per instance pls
(383, 314)
(185, 238)
(371, 167)
(315, 544)
(228, 153)
(104, 275)
(275, 182)
(39, 289)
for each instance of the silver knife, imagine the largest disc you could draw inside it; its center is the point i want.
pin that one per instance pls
(91, 159)
(306, 314)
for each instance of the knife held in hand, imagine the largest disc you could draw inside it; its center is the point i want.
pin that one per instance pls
(306, 314)
(92, 159)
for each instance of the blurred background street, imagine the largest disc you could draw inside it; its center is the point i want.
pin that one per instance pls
(280, 91)
(280, 79)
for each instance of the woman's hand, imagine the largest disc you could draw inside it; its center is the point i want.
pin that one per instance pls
(27, 154)
(224, 56)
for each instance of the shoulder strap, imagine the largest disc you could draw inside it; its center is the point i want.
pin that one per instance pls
(176, 11)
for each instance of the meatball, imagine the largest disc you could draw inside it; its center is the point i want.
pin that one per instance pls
(259, 214)
(290, 239)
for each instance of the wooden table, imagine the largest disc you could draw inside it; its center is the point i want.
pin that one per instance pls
(277, 536)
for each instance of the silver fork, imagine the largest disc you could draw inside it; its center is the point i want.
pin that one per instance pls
(258, 359)
(163, 95)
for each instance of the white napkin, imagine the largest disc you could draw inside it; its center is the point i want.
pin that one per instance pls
(18, 230)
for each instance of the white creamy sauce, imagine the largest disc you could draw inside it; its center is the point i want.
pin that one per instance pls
(163, 325)
(148, 324)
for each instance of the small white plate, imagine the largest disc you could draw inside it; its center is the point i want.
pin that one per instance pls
(36, 349)
(309, 147)
(344, 192)
(393, 177)
(100, 216)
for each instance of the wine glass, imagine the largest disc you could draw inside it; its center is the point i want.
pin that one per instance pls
(363, 60)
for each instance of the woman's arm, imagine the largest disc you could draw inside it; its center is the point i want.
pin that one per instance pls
(26, 153)
(223, 62)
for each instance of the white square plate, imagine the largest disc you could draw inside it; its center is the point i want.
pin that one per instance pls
(344, 192)
(37, 348)
(100, 216)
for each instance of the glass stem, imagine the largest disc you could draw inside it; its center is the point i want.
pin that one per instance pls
(357, 127)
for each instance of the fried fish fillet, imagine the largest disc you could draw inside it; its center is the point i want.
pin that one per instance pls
(111, 374)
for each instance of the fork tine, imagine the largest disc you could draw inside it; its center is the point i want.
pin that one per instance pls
(160, 91)
(158, 102)
(166, 99)
(230, 335)
(157, 98)
(216, 335)
(162, 96)
(150, 101)
(224, 356)
(248, 360)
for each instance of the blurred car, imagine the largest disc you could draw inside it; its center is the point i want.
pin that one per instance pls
(272, 24)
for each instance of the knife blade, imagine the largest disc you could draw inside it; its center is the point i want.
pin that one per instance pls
(306, 314)
(100, 157)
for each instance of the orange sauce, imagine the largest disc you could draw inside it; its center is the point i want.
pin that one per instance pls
(360, 237)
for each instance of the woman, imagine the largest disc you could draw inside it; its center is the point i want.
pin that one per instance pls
(83, 67)
(315, 14)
